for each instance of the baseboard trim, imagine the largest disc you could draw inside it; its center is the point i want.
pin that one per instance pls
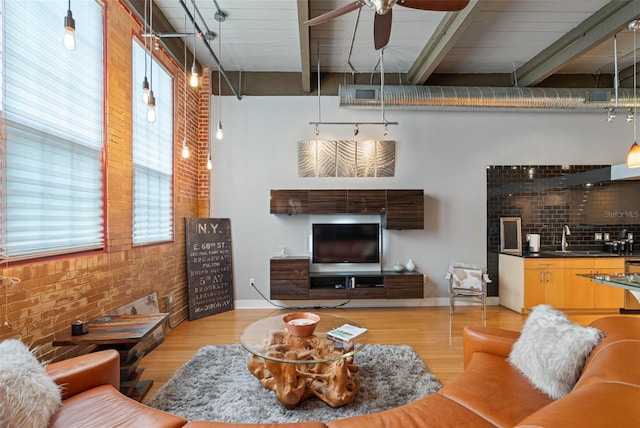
(359, 303)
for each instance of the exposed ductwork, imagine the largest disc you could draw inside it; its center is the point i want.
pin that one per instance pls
(444, 98)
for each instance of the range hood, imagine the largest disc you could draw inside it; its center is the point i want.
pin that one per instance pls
(623, 172)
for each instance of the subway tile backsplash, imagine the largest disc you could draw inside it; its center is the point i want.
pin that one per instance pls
(546, 197)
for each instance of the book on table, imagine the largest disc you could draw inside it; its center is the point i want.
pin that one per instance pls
(346, 333)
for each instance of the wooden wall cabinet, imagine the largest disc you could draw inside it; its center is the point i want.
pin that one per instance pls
(400, 209)
(328, 201)
(405, 209)
(289, 202)
(289, 278)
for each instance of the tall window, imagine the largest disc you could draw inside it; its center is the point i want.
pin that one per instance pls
(51, 183)
(152, 152)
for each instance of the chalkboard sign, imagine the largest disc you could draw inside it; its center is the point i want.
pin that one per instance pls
(209, 269)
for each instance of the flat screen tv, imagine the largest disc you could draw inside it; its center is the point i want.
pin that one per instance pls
(346, 243)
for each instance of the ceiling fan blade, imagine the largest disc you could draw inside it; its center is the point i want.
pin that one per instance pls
(382, 29)
(437, 5)
(334, 13)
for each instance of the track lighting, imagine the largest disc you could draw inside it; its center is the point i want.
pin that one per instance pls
(69, 38)
(151, 108)
(356, 130)
(611, 116)
(209, 163)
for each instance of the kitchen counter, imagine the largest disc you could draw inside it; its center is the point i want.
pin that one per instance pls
(543, 254)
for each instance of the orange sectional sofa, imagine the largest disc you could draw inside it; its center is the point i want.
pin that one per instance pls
(489, 393)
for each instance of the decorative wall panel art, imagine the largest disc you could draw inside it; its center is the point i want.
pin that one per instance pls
(346, 158)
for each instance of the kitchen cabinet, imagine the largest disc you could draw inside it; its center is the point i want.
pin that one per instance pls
(543, 282)
(527, 282)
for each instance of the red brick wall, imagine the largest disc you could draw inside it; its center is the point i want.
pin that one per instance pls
(55, 292)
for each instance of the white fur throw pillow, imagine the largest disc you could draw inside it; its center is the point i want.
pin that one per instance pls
(552, 350)
(28, 396)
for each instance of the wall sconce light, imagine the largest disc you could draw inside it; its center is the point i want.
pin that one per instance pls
(69, 38)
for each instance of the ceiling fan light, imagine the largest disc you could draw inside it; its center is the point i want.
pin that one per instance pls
(633, 158)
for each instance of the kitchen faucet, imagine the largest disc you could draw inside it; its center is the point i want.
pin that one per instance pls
(565, 232)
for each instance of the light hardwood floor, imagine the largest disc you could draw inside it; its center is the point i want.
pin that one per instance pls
(436, 336)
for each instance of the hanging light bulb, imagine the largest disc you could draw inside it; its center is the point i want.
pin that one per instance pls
(356, 130)
(209, 163)
(151, 108)
(185, 148)
(316, 130)
(145, 89)
(219, 134)
(69, 38)
(630, 116)
(193, 80)
(633, 157)
(386, 129)
(611, 116)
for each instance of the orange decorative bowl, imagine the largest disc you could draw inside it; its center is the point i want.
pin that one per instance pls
(301, 324)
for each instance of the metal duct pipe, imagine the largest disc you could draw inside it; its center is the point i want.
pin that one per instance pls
(446, 98)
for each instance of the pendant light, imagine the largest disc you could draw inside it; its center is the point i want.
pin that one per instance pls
(193, 81)
(69, 38)
(633, 158)
(219, 17)
(151, 101)
(185, 143)
(145, 81)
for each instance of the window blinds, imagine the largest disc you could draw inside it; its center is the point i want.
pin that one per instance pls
(152, 153)
(52, 185)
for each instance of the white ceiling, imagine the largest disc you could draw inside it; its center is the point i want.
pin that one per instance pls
(489, 36)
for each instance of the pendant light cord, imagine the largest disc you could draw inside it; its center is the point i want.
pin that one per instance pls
(219, 73)
(635, 89)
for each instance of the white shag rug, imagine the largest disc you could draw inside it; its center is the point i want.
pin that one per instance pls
(216, 385)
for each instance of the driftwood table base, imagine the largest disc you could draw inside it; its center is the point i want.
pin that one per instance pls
(332, 378)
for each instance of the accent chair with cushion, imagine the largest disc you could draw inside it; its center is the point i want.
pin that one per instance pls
(467, 282)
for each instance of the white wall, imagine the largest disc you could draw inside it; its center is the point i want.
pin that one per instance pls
(444, 153)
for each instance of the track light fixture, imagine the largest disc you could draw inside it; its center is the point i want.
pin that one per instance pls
(69, 38)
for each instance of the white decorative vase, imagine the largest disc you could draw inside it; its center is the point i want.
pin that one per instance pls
(410, 266)
(398, 267)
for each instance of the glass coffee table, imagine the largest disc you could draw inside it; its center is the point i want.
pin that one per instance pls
(298, 368)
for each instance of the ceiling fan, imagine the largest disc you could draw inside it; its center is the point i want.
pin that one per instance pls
(383, 17)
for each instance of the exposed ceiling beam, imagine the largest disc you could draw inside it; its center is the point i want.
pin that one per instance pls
(445, 36)
(600, 26)
(305, 50)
